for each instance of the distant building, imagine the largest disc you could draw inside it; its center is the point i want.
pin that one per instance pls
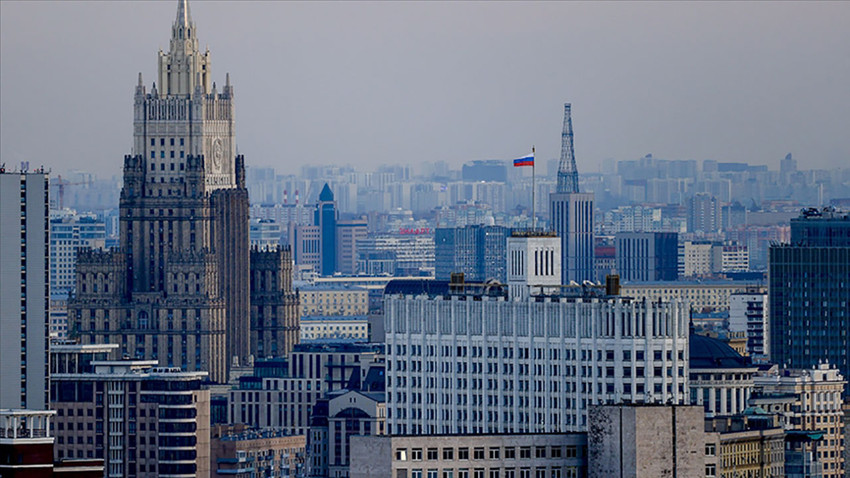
(646, 441)
(401, 255)
(264, 233)
(479, 252)
(492, 170)
(326, 219)
(810, 292)
(306, 244)
(67, 234)
(647, 256)
(323, 298)
(348, 234)
(335, 327)
(24, 290)
(748, 314)
(704, 216)
(701, 295)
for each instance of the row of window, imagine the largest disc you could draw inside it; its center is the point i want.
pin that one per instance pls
(492, 453)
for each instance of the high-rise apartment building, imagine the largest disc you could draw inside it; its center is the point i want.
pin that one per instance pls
(24, 290)
(142, 420)
(177, 290)
(810, 292)
(479, 252)
(647, 256)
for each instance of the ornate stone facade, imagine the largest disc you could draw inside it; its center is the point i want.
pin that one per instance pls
(176, 290)
(274, 306)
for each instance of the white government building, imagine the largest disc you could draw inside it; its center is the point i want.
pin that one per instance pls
(529, 357)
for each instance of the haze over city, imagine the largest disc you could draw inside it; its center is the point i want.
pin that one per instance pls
(372, 83)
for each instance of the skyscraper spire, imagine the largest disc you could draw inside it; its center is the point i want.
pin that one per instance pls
(184, 16)
(567, 171)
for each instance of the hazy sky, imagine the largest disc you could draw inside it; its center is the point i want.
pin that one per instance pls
(371, 83)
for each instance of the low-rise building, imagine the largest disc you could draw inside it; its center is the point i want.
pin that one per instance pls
(751, 444)
(245, 453)
(702, 295)
(332, 299)
(561, 455)
(340, 327)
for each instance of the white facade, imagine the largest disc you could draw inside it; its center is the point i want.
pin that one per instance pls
(464, 363)
(748, 313)
(534, 262)
(68, 233)
(24, 290)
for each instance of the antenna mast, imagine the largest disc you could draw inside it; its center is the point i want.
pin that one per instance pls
(567, 171)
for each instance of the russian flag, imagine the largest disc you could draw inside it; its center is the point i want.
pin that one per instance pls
(524, 161)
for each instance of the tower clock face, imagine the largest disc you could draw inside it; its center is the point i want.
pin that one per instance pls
(217, 153)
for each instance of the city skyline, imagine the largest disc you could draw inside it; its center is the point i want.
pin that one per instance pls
(407, 83)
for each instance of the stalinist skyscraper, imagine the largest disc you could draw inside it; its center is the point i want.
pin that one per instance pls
(177, 288)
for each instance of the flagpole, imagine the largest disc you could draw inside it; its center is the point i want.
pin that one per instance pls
(533, 192)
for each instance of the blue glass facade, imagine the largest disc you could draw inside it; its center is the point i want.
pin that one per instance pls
(810, 293)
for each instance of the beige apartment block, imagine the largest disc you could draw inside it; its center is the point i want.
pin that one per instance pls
(809, 400)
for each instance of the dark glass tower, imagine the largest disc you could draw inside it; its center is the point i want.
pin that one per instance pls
(326, 218)
(810, 292)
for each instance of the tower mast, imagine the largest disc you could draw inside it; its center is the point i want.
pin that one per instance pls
(567, 171)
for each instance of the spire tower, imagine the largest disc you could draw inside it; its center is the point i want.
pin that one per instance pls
(567, 171)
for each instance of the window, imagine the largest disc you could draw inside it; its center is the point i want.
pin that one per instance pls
(494, 453)
(555, 452)
(478, 454)
(463, 453)
(432, 454)
(525, 452)
(416, 454)
(710, 449)
(401, 454)
(540, 452)
(448, 453)
(432, 473)
(710, 471)
(510, 453)
(448, 473)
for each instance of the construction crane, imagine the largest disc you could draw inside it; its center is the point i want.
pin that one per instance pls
(60, 188)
